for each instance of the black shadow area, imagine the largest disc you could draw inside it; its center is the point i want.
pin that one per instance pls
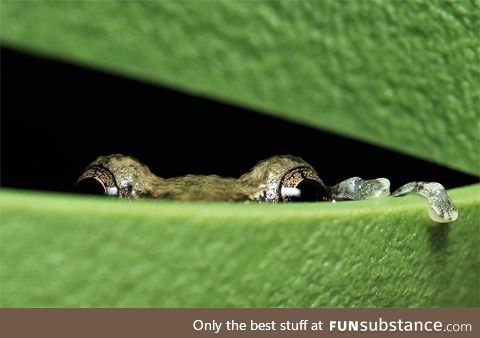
(56, 118)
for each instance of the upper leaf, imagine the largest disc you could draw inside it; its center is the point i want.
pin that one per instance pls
(403, 75)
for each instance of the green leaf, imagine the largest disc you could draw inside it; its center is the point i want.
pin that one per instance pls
(69, 251)
(403, 75)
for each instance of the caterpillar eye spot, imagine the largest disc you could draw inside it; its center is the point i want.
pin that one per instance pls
(96, 181)
(119, 176)
(91, 186)
(302, 185)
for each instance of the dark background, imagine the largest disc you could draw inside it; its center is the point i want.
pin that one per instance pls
(56, 118)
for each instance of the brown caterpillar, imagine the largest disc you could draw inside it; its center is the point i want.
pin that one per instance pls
(282, 178)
